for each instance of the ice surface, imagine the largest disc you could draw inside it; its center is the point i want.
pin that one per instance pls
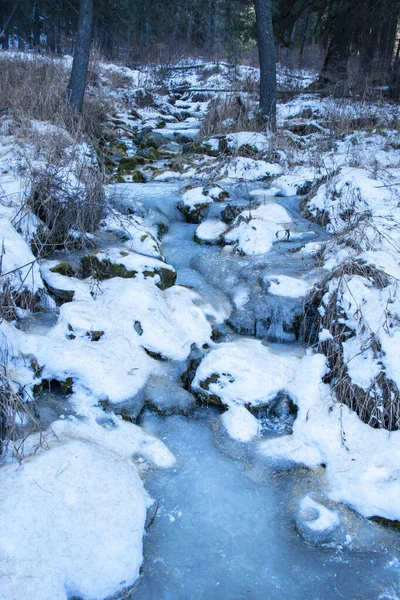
(220, 535)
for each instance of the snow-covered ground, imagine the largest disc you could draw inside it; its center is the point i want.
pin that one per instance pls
(214, 245)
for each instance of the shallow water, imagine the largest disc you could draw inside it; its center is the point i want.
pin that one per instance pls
(219, 534)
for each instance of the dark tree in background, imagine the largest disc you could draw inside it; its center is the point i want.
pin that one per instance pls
(77, 83)
(352, 43)
(267, 57)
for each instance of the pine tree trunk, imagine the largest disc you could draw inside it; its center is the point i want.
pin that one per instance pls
(77, 83)
(334, 70)
(267, 57)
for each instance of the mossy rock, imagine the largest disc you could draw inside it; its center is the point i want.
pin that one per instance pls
(128, 164)
(205, 385)
(91, 266)
(110, 164)
(223, 195)
(64, 268)
(161, 125)
(117, 179)
(138, 177)
(198, 148)
(150, 154)
(167, 277)
(230, 212)
(194, 214)
(134, 113)
(60, 296)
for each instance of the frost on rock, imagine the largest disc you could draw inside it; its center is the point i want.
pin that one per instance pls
(73, 516)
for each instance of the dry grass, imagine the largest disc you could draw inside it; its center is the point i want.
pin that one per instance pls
(379, 405)
(33, 87)
(18, 417)
(70, 204)
(229, 114)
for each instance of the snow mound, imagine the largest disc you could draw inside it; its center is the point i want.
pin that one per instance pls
(72, 523)
(248, 169)
(255, 231)
(210, 231)
(243, 373)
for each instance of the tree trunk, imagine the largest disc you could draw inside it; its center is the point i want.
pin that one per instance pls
(77, 83)
(267, 57)
(334, 70)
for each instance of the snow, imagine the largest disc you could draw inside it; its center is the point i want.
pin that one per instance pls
(362, 464)
(116, 367)
(240, 424)
(248, 169)
(325, 519)
(195, 197)
(89, 507)
(85, 491)
(255, 231)
(282, 285)
(18, 257)
(133, 261)
(245, 373)
(210, 230)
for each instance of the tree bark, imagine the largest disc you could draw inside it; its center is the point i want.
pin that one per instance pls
(77, 83)
(334, 70)
(267, 57)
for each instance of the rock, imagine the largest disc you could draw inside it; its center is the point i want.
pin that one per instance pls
(91, 266)
(64, 268)
(166, 397)
(60, 296)
(316, 523)
(218, 194)
(194, 204)
(210, 232)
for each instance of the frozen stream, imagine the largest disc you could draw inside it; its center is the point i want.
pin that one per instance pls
(221, 534)
(224, 526)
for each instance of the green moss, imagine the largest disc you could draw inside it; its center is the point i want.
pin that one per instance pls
(91, 266)
(167, 277)
(138, 177)
(109, 164)
(198, 148)
(129, 163)
(117, 179)
(64, 268)
(161, 125)
(162, 229)
(67, 385)
(193, 214)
